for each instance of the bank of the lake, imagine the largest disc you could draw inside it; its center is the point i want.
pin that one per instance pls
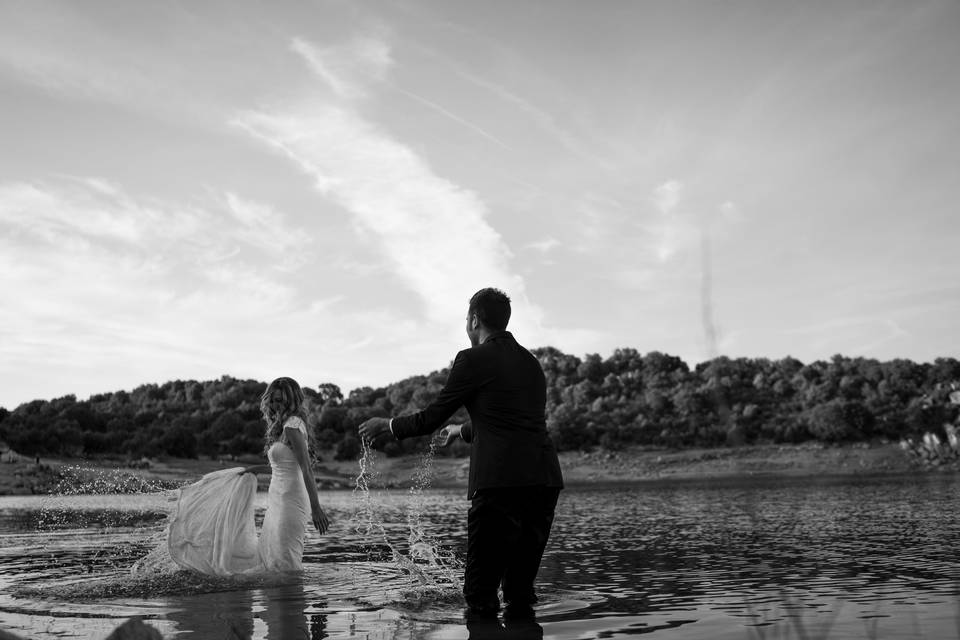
(22, 475)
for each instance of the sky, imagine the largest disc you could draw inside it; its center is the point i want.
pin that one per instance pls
(315, 189)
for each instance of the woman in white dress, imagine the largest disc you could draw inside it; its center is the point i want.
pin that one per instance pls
(213, 529)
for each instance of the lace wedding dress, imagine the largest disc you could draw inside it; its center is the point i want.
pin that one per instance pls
(213, 531)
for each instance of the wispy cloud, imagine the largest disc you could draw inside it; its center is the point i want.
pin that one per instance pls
(544, 245)
(174, 62)
(598, 219)
(850, 335)
(108, 291)
(350, 68)
(666, 196)
(730, 212)
(60, 49)
(520, 66)
(263, 228)
(634, 278)
(354, 70)
(893, 332)
(92, 212)
(671, 232)
(433, 232)
(540, 117)
(678, 229)
(452, 116)
(59, 73)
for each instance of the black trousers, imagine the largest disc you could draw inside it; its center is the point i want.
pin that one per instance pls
(507, 531)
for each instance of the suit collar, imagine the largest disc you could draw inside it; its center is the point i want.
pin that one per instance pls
(496, 335)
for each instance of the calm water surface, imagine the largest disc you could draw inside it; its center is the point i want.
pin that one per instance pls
(824, 558)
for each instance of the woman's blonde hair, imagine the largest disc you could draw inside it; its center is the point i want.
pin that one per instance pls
(282, 400)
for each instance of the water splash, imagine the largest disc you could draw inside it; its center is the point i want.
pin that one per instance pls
(367, 520)
(435, 568)
(111, 586)
(425, 550)
(157, 562)
(112, 551)
(75, 480)
(79, 480)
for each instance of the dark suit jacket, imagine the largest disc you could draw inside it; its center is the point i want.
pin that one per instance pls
(504, 390)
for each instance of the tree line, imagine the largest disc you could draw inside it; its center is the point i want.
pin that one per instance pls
(625, 399)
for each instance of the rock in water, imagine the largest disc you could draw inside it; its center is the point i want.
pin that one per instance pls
(135, 629)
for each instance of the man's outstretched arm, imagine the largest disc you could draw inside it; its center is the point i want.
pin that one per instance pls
(460, 385)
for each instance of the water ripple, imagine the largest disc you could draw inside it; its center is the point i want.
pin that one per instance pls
(683, 560)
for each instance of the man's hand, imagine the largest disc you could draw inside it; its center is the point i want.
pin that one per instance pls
(376, 431)
(450, 433)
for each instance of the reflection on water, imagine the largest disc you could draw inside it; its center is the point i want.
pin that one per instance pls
(275, 613)
(763, 559)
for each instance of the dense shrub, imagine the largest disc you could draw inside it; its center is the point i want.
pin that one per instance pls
(626, 399)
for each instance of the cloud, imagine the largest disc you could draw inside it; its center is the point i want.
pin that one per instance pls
(541, 118)
(543, 246)
(671, 232)
(64, 50)
(730, 212)
(854, 335)
(675, 231)
(352, 70)
(452, 116)
(635, 278)
(263, 228)
(32, 210)
(433, 233)
(107, 291)
(94, 213)
(666, 197)
(348, 69)
(597, 221)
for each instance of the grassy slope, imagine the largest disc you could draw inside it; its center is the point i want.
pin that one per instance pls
(24, 476)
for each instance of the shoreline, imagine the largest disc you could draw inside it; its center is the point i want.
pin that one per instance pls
(636, 465)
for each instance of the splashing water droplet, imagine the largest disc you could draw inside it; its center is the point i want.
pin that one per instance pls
(436, 569)
(367, 522)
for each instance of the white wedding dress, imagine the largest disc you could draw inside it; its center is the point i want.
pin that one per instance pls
(213, 530)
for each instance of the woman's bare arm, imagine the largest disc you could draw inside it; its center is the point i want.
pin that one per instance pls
(298, 442)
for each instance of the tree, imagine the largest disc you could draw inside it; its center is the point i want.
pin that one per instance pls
(568, 426)
(623, 399)
(330, 394)
(180, 440)
(839, 421)
(348, 448)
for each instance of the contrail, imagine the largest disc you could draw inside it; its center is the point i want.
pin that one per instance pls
(706, 290)
(710, 333)
(435, 107)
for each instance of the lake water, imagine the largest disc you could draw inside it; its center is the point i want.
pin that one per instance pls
(768, 558)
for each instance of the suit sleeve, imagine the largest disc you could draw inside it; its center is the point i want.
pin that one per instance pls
(461, 384)
(466, 432)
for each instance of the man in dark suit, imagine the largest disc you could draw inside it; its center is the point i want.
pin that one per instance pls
(515, 476)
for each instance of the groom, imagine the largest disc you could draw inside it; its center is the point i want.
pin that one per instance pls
(515, 476)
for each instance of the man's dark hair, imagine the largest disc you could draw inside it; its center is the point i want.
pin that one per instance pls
(492, 307)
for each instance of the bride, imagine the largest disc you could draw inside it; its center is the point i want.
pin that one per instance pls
(213, 528)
